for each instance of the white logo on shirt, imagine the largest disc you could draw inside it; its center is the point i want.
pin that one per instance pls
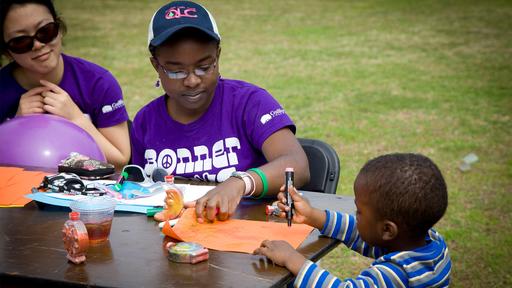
(201, 158)
(267, 117)
(109, 108)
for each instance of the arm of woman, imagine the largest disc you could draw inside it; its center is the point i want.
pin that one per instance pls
(113, 141)
(282, 150)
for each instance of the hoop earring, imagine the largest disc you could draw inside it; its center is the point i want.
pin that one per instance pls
(157, 83)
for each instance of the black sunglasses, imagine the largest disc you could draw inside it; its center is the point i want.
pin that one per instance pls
(25, 43)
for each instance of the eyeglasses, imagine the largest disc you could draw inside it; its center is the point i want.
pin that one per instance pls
(199, 71)
(25, 43)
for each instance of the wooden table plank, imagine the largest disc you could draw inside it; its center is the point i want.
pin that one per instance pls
(32, 252)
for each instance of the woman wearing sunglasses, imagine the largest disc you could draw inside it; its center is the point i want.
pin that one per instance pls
(209, 128)
(41, 79)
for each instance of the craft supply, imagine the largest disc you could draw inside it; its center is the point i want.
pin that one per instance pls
(152, 211)
(273, 209)
(173, 199)
(234, 235)
(97, 214)
(187, 252)
(75, 237)
(171, 223)
(86, 167)
(288, 183)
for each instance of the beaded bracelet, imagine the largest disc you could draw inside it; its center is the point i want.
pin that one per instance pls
(253, 189)
(263, 181)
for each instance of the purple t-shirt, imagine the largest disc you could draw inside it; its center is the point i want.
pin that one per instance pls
(228, 137)
(94, 90)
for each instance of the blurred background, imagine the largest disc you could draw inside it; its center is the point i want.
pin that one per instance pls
(367, 77)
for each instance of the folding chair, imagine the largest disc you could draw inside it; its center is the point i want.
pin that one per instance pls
(324, 166)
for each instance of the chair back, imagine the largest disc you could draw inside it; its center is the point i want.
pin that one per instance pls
(324, 166)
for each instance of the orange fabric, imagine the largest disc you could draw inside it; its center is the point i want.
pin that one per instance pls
(234, 235)
(15, 183)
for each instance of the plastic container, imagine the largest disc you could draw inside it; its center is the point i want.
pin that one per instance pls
(187, 252)
(97, 214)
(173, 199)
(75, 238)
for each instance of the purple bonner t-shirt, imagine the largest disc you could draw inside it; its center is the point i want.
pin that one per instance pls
(228, 137)
(94, 90)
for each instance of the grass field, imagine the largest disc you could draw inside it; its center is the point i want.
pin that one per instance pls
(368, 77)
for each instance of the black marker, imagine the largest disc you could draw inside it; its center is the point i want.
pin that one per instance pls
(288, 182)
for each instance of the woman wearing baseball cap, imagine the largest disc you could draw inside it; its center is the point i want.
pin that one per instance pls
(41, 79)
(209, 128)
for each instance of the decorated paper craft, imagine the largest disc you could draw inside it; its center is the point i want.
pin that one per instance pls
(234, 235)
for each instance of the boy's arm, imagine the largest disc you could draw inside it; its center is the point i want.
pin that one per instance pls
(382, 275)
(342, 226)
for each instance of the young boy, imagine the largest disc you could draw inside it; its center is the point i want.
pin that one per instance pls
(399, 197)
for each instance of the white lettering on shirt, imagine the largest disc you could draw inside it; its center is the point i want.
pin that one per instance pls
(223, 154)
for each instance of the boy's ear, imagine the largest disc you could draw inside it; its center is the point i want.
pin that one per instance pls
(389, 230)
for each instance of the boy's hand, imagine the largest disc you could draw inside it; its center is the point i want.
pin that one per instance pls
(281, 253)
(302, 209)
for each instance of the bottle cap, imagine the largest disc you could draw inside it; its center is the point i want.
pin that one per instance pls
(289, 169)
(169, 179)
(74, 215)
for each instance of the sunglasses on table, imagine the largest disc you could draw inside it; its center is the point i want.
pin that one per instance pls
(25, 43)
(135, 173)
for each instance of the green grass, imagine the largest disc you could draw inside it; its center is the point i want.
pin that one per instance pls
(368, 77)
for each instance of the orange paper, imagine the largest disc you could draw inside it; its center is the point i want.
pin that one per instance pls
(234, 235)
(15, 183)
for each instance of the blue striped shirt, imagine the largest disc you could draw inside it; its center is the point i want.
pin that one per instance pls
(427, 266)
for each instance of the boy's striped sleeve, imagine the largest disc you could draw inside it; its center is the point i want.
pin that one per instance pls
(383, 275)
(342, 226)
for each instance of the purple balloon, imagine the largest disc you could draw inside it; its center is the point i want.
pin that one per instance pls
(43, 140)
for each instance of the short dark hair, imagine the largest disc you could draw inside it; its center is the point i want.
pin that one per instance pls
(186, 34)
(5, 6)
(407, 189)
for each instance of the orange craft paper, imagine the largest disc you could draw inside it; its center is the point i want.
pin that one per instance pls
(234, 235)
(15, 183)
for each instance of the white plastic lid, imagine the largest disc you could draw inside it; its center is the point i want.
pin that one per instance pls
(93, 204)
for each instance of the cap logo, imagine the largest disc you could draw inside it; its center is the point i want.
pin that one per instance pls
(181, 11)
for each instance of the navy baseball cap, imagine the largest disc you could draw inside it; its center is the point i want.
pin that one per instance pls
(177, 15)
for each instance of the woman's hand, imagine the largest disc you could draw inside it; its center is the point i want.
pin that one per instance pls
(221, 201)
(281, 253)
(32, 102)
(58, 102)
